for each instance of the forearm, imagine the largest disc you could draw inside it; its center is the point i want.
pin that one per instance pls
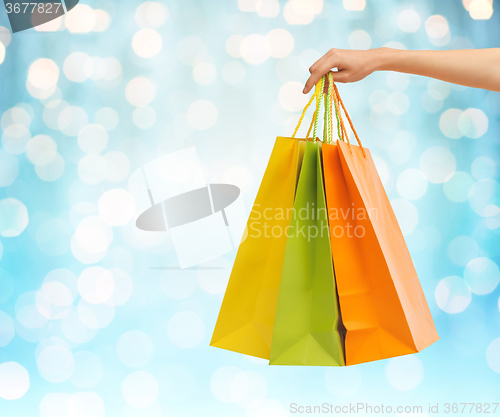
(478, 68)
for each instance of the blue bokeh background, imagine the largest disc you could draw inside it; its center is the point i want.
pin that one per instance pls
(204, 74)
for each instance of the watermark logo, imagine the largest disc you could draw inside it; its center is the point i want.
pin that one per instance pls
(204, 220)
(26, 15)
(339, 222)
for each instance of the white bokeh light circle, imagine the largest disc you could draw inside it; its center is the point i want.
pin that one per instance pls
(95, 316)
(116, 207)
(204, 73)
(32, 310)
(15, 138)
(453, 295)
(458, 187)
(233, 45)
(398, 103)
(55, 363)
(411, 184)
(87, 404)
(43, 74)
(267, 8)
(92, 168)
(135, 348)
(140, 389)
(144, 117)
(480, 9)
(473, 123)
(60, 298)
(6, 286)
(255, 49)
(483, 168)
(462, 250)
(17, 115)
(214, 281)
(78, 67)
(147, 43)
(220, 383)
(7, 330)
(51, 171)
(177, 381)
(482, 196)
(71, 120)
(402, 148)
(41, 150)
(82, 20)
(140, 91)
(296, 15)
(51, 113)
(154, 410)
(448, 123)
(397, 81)
(437, 30)
(407, 215)
(409, 21)
(432, 101)
(88, 369)
(291, 97)
(96, 285)
(268, 408)
(65, 277)
(493, 355)
(54, 404)
(14, 380)
(248, 389)
(102, 22)
(482, 275)
(119, 260)
(118, 166)
(360, 39)
(93, 235)
(179, 284)
(343, 382)
(438, 164)
(186, 330)
(123, 287)
(13, 217)
(93, 138)
(5, 36)
(202, 114)
(405, 372)
(9, 168)
(151, 14)
(281, 42)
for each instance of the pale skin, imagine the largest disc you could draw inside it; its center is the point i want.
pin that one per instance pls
(479, 68)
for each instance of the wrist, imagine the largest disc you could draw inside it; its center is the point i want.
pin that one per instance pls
(383, 59)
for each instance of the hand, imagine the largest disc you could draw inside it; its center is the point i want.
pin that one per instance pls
(351, 65)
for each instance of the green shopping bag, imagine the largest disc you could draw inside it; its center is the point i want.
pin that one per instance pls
(307, 328)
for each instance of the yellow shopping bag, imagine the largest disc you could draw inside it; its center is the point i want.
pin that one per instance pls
(246, 318)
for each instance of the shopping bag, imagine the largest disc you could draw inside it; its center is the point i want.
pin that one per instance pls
(383, 306)
(307, 329)
(246, 318)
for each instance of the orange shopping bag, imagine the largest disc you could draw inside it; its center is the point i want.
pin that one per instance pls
(383, 306)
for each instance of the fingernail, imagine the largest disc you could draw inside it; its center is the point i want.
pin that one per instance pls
(304, 90)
